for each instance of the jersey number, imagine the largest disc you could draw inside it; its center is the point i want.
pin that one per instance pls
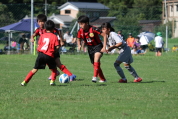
(45, 46)
(88, 39)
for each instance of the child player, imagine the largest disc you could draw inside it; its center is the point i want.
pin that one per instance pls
(41, 19)
(115, 41)
(47, 46)
(95, 47)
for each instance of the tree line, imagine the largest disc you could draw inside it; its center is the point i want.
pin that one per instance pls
(127, 12)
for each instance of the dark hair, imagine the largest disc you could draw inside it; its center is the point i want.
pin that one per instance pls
(41, 17)
(107, 25)
(83, 19)
(137, 37)
(49, 25)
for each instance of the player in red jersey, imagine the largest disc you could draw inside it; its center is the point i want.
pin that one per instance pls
(47, 46)
(41, 19)
(95, 47)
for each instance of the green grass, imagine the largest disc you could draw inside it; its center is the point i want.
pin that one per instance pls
(154, 98)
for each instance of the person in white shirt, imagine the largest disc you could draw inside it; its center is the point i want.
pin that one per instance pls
(158, 44)
(68, 38)
(115, 41)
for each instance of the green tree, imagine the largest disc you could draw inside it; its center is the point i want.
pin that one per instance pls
(129, 12)
(6, 17)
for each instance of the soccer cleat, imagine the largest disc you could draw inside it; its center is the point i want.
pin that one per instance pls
(23, 83)
(52, 83)
(94, 79)
(138, 79)
(122, 81)
(72, 77)
(102, 81)
(57, 74)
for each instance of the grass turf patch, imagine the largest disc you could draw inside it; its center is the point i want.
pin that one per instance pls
(155, 97)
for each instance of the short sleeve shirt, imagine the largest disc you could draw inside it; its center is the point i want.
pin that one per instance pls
(47, 43)
(114, 39)
(40, 31)
(158, 41)
(91, 37)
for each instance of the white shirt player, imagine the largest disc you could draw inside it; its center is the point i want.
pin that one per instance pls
(114, 39)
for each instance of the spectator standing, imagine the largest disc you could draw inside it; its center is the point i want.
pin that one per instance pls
(158, 44)
(130, 40)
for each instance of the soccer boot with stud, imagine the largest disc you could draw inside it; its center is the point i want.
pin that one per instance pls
(94, 79)
(138, 80)
(52, 83)
(72, 77)
(122, 81)
(23, 83)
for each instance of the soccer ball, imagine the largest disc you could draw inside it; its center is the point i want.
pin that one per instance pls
(64, 78)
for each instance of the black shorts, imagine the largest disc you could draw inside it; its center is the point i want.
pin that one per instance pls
(56, 55)
(92, 50)
(44, 59)
(158, 49)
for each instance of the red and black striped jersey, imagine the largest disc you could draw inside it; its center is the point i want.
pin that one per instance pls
(40, 31)
(91, 37)
(47, 43)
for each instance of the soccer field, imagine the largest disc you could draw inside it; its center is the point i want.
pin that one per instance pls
(156, 97)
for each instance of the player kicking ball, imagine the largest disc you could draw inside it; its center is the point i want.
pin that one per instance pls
(47, 46)
(95, 47)
(41, 19)
(115, 41)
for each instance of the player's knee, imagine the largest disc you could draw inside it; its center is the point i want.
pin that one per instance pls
(116, 64)
(127, 67)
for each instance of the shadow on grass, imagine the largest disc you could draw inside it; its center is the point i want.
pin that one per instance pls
(101, 84)
(151, 82)
(93, 85)
(61, 85)
(78, 79)
(143, 82)
(85, 85)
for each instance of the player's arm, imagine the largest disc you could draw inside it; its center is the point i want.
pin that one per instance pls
(57, 48)
(32, 37)
(114, 46)
(104, 42)
(61, 38)
(79, 44)
(79, 39)
(118, 41)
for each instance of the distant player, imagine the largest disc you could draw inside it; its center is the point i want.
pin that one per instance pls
(95, 47)
(47, 46)
(41, 19)
(158, 44)
(115, 41)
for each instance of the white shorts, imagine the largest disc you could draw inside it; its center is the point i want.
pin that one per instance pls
(125, 56)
